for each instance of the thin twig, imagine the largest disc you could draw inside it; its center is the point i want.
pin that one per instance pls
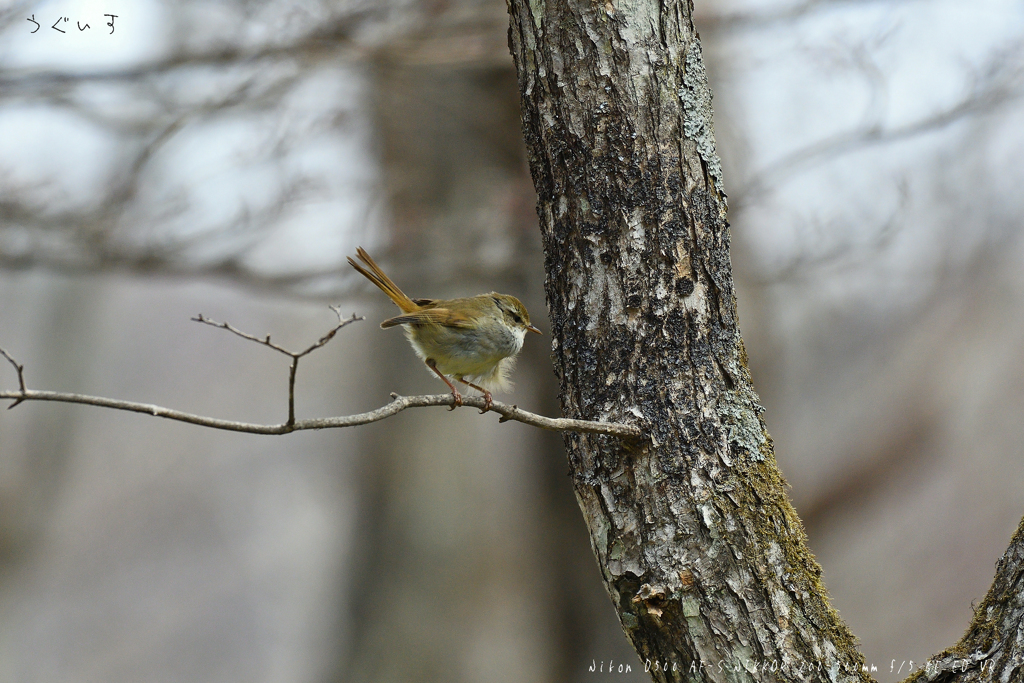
(397, 405)
(244, 335)
(294, 355)
(330, 335)
(265, 341)
(20, 369)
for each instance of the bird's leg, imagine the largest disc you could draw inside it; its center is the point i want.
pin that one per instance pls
(455, 392)
(488, 400)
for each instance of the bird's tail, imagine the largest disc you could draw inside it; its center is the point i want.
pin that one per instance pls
(374, 274)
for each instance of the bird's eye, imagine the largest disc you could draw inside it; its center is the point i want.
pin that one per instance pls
(515, 316)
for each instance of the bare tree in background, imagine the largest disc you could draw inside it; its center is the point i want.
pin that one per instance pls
(443, 223)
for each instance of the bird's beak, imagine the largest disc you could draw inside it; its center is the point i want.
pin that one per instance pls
(531, 328)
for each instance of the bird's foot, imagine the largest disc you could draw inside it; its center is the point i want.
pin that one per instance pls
(458, 399)
(488, 399)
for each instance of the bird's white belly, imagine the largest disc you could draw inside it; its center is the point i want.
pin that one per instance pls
(467, 353)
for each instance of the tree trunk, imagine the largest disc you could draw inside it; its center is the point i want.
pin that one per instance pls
(993, 647)
(701, 551)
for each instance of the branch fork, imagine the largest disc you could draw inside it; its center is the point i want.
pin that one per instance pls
(294, 355)
(397, 404)
(20, 369)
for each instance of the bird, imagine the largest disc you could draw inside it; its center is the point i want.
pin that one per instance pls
(474, 340)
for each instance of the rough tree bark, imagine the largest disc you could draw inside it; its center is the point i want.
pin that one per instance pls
(993, 647)
(701, 551)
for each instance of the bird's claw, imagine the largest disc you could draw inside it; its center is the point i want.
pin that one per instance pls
(457, 403)
(488, 402)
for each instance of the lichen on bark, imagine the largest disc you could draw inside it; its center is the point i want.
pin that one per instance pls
(699, 119)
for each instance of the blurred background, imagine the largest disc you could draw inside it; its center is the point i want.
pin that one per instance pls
(224, 157)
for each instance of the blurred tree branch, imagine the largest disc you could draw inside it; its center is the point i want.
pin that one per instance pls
(782, 14)
(1001, 84)
(104, 233)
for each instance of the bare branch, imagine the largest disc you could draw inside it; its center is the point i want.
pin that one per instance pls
(762, 18)
(295, 355)
(20, 369)
(332, 40)
(105, 233)
(397, 405)
(155, 262)
(847, 254)
(330, 335)
(265, 341)
(1002, 85)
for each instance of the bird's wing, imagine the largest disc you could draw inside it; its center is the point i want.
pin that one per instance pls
(430, 316)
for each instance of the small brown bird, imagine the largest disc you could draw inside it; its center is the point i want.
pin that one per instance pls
(474, 338)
